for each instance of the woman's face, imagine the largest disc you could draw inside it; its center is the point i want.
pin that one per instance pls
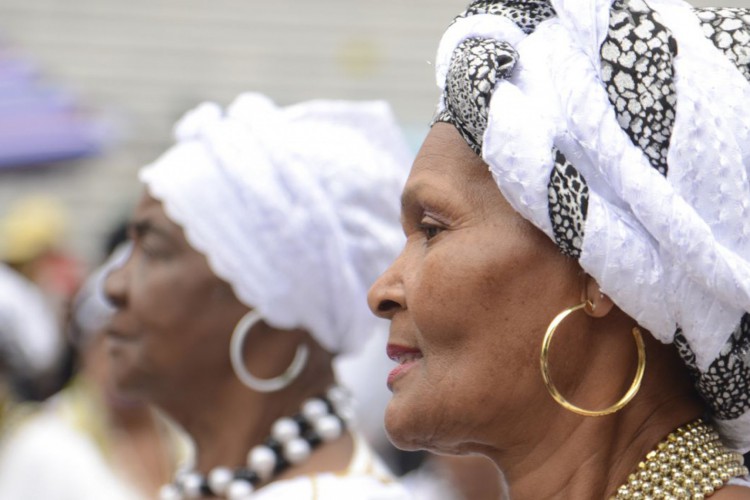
(469, 300)
(170, 334)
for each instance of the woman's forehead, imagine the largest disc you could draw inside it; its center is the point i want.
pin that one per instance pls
(443, 142)
(446, 162)
(445, 153)
(150, 211)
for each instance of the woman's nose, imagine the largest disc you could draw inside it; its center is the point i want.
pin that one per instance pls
(386, 295)
(116, 279)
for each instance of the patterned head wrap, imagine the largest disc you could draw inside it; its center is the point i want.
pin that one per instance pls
(620, 129)
(297, 207)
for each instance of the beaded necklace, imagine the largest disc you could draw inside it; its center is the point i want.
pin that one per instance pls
(690, 463)
(320, 420)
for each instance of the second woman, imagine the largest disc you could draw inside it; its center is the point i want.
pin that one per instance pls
(254, 245)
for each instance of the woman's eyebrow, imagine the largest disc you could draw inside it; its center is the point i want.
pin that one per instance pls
(411, 193)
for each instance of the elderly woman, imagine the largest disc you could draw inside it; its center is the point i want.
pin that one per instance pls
(253, 248)
(31, 344)
(573, 298)
(86, 440)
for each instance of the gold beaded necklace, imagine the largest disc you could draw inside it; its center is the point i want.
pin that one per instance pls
(690, 463)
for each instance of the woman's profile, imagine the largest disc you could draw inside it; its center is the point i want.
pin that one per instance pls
(253, 247)
(573, 300)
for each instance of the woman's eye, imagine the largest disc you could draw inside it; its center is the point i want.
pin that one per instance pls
(153, 251)
(149, 252)
(429, 228)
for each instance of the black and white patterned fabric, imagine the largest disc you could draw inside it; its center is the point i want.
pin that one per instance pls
(527, 14)
(729, 30)
(640, 156)
(480, 62)
(637, 71)
(725, 386)
(568, 203)
(476, 66)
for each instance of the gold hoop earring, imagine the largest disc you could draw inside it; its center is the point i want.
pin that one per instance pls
(544, 361)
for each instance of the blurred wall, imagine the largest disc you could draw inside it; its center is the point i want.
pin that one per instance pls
(142, 63)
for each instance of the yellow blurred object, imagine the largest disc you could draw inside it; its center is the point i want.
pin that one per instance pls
(32, 226)
(360, 57)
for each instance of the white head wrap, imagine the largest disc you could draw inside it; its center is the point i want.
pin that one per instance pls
(620, 129)
(297, 207)
(30, 339)
(91, 309)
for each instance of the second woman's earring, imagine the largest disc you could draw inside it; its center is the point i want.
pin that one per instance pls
(544, 361)
(244, 325)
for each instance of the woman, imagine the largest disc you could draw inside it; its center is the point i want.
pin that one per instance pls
(558, 325)
(254, 245)
(86, 440)
(31, 345)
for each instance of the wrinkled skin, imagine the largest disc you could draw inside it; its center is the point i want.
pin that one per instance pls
(469, 299)
(474, 290)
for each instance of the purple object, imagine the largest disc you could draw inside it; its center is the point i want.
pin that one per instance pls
(39, 124)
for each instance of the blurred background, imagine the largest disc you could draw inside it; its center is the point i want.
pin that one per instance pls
(102, 82)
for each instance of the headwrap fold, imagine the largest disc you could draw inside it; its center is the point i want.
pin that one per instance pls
(31, 343)
(619, 128)
(296, 207)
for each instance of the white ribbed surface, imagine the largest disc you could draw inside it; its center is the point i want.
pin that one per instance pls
(145, 62)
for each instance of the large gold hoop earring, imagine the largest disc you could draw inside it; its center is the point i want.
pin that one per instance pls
(544, 361)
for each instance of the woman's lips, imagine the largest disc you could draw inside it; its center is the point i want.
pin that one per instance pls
(119, 335)
(406, 357)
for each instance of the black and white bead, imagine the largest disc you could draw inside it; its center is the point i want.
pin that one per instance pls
(729, 30)
(637, 70)
(725, 386)
(292, 440)
(527, 14)
(568, 198)
(481, 62)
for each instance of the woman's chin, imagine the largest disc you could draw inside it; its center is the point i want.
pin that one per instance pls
(402, 442)
(127, 381)
(403, 427)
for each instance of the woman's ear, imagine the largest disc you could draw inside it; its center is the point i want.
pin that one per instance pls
(602, 304)
(223, 291)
